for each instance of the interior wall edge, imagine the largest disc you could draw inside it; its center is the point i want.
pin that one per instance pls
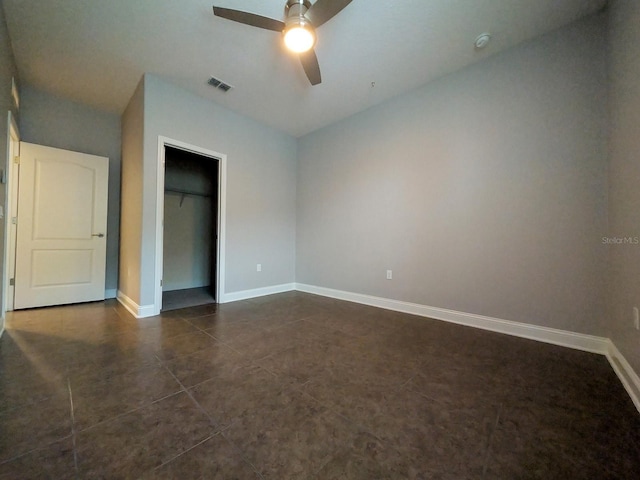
(138, 311)
(623, 172)
(625, 372)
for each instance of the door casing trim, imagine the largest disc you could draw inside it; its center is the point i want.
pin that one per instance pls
(222, 218)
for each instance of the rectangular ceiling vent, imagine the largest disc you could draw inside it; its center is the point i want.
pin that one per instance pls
(219, 84)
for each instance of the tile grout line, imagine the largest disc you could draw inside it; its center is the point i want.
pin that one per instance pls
(347, 419)
(241, 453)
(324, 464)
(120, 415)
(188, 319)
(485, 465)
(220, 430)
(27, 452)
(187, 450)
(73, 428)
(185, 390)
(210, 335)
(225, 343)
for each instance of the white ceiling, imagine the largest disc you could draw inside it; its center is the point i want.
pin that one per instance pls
(95, 51)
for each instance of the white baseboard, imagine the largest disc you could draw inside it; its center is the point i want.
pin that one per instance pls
(133, 308)
(555, 336)
(578, 341)
(625, 372)
(110, 293)
(257, 292)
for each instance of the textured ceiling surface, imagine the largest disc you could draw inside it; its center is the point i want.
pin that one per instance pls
(95, 51)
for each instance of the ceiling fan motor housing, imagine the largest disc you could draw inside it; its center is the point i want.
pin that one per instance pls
(296, 8)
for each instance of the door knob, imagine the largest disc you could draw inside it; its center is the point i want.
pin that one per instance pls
(99, 235)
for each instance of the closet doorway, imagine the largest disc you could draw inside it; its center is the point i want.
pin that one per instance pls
(190, 229)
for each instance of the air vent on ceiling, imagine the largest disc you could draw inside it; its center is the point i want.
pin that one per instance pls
(217, 83)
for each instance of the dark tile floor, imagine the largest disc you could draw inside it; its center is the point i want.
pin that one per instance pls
(295, 386)
(190, 297)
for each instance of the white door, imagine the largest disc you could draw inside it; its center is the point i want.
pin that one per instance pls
(62, 222)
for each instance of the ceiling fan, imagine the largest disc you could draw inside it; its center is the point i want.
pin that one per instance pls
(298, 28)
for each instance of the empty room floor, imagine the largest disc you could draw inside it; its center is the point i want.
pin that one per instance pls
(296, 386)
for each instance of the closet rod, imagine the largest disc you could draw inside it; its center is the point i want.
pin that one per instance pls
(187, 192)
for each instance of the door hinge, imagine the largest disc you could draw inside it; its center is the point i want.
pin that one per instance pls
(14, 220)
(16, 159)
(12, 282)
(160, 282)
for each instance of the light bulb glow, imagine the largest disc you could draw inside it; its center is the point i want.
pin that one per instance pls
(299, 39)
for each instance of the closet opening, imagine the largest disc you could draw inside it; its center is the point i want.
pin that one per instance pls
(190, 229)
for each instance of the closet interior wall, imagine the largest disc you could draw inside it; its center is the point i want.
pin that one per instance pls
(190, 219)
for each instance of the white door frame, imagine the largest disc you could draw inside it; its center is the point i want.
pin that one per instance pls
(222, 217)
(10, 201)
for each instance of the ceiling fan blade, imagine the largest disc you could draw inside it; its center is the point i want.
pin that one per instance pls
(249, 19)
(311, 67)
(324, 10)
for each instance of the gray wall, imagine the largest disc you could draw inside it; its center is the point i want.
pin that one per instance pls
(261, 186)
(482, 191)
(187, 242)
(131, 196)
(60, 123)
(7, 71)
(624, 173)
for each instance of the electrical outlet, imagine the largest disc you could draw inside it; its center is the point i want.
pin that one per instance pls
(636, 318)
(259, 267)
(389, 274)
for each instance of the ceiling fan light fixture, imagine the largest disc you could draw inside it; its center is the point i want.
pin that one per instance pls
(301, 18)
(299, 37)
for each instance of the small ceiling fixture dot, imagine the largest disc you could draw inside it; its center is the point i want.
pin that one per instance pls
(482, 40)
